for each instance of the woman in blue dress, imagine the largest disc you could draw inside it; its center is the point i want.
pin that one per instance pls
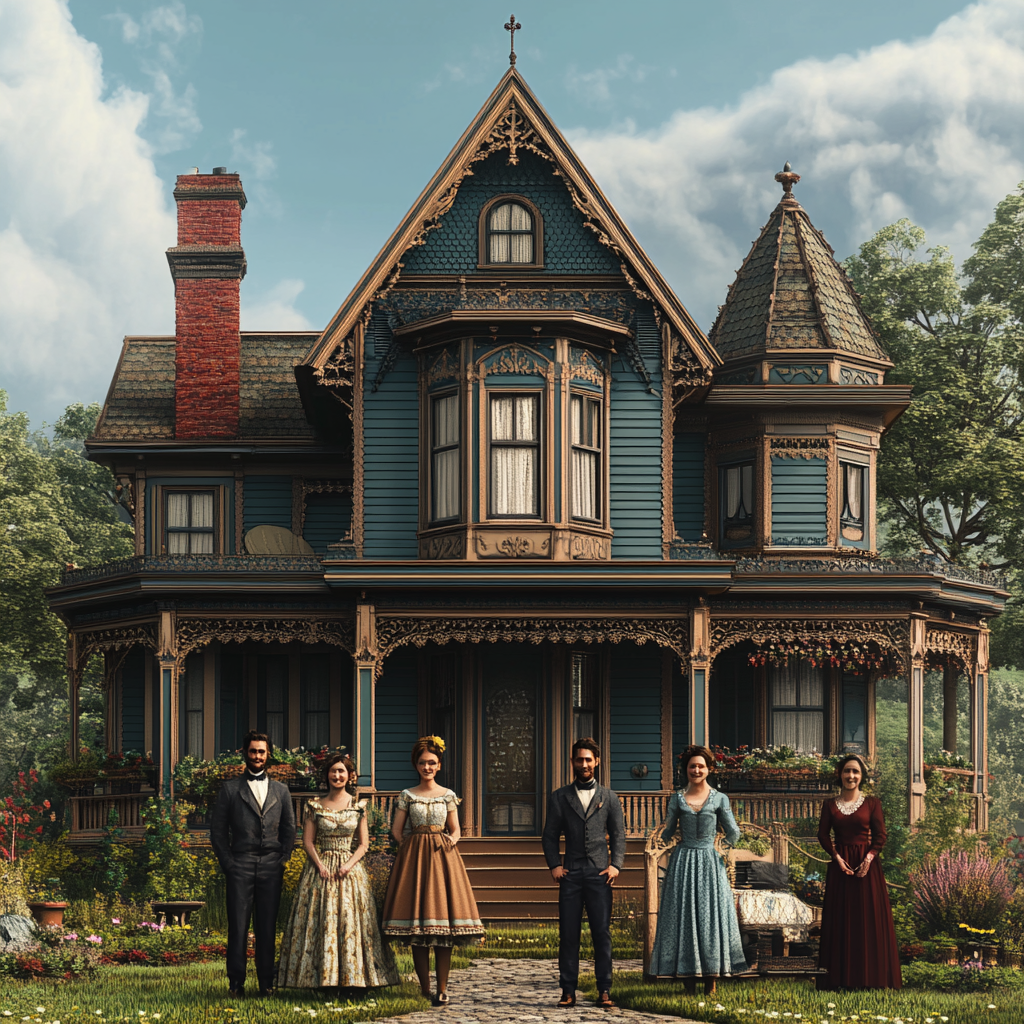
(698, 935)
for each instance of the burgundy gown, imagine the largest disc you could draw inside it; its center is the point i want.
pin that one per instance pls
(858, 940)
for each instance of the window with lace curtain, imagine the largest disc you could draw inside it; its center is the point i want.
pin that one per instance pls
(192, 689)
(736, 499)
(189, 518)
(510, 234)
(851, 519)
(584, 482)
(514, 427)
(444, 458)
(796, 691)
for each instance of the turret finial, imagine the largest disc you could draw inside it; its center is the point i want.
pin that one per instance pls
(787, 178)
(512, 27)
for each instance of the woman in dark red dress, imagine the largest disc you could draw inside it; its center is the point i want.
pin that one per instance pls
(858, 940)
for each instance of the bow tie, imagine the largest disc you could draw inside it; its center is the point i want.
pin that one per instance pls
(586, 785)
(250, 777)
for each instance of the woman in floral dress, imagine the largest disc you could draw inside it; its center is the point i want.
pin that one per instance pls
(332, 938)
(698, 933)
(430, 899)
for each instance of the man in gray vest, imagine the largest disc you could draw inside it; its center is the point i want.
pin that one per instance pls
(590, 818)
(252, 832)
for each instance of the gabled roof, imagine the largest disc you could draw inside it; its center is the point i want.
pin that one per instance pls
(511, 119)
(791, 294)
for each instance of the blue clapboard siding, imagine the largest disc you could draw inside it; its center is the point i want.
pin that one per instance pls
(397, 724)
(635, 715)
(798, 501)
(328, 517)
(133, 700)
(391, 453)
(635, 438)
(688, 485)
(267, 501)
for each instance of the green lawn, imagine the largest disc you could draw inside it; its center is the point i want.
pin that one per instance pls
(797, 1000)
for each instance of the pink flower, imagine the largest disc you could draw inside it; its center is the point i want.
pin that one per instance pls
(71, 937)
(94, 939)
(115, 920)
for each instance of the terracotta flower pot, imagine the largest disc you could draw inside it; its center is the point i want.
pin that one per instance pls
(48, 913)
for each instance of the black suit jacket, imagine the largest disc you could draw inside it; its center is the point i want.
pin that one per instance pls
(239, 826)
(588, 834)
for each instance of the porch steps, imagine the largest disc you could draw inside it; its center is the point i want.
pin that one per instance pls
(512, 882)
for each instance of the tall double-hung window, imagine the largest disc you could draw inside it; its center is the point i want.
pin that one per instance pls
(851, 518)
(189, 522)
(444, 458)
(514, 455)
(510, 234)
(585, 476)
(737, 500)
(797, 692)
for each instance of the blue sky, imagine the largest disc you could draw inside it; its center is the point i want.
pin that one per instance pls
(336, 114)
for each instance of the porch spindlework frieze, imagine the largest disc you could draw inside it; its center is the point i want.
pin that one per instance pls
(116, 638)
(947, 643)
(191, 634)
(394, 632)
(892, 636)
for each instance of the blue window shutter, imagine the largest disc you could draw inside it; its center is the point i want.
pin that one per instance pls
(799, 502)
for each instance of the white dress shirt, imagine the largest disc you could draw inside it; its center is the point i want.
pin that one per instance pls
(585, 796)
(258, 788)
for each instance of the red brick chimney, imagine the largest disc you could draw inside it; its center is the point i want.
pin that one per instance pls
(207, 265)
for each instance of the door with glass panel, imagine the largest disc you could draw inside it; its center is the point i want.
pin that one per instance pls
(511, 685)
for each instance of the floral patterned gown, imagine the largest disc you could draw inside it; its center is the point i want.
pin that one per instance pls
(332, 937)
(698, 933)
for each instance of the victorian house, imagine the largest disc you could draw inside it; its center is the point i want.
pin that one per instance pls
(512, 494)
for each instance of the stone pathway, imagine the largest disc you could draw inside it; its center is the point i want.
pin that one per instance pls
(496, 991)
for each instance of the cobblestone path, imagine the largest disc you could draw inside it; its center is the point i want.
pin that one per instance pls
(496, 991)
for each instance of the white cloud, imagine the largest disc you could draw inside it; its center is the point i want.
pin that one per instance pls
(84, 219)
(928, 130)
(275, 310)
(596, 86)
(257, 155)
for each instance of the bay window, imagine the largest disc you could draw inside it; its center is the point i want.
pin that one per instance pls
(585, 418)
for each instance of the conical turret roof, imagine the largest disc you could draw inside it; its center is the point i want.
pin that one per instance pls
(791, 295)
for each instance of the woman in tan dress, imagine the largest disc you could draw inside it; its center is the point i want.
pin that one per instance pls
(332, 938)
(430, 900)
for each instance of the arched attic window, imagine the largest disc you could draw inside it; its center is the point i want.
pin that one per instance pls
(510, 233)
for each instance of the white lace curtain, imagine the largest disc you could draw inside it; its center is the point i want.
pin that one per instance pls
(583, 483)
(187, 512)
(514, 455)
(194, 708)
(446, 460)
(798, 698)
(854, 490)
(511, 234)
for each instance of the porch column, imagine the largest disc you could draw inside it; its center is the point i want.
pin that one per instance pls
(950, 678)
(699, 670)
(979, 727)
(74, 681)
(166, 710)
(915, 718)
(365, 664)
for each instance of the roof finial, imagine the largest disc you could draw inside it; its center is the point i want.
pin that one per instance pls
(787, 178)
(512, 27)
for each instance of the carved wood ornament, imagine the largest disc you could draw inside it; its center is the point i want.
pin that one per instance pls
(194, 633)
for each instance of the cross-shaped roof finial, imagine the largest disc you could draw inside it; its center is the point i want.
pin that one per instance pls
(512, 27)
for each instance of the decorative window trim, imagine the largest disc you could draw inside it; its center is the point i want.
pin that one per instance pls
(163, 491)
(432, 450)
(543, 456)
(724, 521)
(588, 398)
(302, 487)
(484, 260)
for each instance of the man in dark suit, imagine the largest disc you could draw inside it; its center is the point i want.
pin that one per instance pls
(252, 832)
(590, 818)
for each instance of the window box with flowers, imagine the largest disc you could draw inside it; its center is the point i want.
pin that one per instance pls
(126, 771)
(767, 770)
(79, 776)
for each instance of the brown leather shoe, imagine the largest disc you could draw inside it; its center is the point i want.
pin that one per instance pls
(568, 1000)
(604, 1000)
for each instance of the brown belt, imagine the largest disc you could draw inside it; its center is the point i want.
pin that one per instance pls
(427, 829)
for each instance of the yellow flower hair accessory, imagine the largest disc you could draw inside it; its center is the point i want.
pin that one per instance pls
(437, 742)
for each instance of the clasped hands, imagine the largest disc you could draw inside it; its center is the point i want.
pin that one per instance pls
(860, 871)
(326, 874)
(611, 872)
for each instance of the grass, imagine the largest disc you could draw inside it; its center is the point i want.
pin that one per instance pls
(195, 994)
(797, 1000)
(540, 942)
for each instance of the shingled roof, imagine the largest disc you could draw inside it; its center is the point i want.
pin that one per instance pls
(140, 403)
(791, 293)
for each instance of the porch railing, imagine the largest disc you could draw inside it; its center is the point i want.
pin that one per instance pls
(91, 813)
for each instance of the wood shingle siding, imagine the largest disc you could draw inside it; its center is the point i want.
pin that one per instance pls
(635, 439)
(798, 501)
(397, 725)
(268, 501)
(635, 716)
(391, 454)
(688, 485)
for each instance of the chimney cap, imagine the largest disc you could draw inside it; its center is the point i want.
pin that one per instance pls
(220, 170)
(195, 170)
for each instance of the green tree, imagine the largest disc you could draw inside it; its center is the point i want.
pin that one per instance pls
(56, 508)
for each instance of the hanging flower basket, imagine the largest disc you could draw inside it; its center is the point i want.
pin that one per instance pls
(849, 655)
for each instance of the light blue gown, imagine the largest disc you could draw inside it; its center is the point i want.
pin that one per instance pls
(698, 933)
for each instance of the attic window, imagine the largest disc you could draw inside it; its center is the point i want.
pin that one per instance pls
(510, 229)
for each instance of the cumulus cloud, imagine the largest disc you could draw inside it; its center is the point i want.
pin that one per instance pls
(84, 219)
(928, 129)
(596, 86)
(275, 310)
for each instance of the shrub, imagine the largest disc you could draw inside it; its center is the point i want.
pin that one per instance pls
(966, 978)
(1012, 925)
(960, 887)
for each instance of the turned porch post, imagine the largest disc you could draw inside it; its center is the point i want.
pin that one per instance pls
(979, 727)
(915, 717)
(950, 678)
(74, 681)
(698, 671)
(365, 665)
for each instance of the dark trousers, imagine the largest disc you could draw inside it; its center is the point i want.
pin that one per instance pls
(254, 891)
(584, 887)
